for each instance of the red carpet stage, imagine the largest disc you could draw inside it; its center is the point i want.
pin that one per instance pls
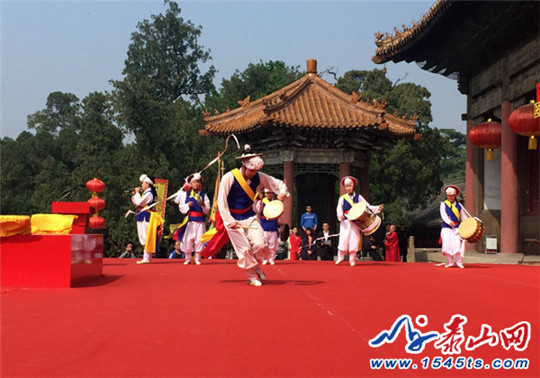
(310, 319)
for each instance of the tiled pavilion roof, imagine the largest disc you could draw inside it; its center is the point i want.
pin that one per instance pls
(310, 103)
(447, 38)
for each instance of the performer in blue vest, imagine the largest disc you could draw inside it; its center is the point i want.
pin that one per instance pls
(148, 197)
(270, 227)
(452, 214)
(236, 197)
(349, 232)
(194, 203)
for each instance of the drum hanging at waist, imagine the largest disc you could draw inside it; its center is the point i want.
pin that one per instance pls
(363, 218)
(471, 229)
(273, 209)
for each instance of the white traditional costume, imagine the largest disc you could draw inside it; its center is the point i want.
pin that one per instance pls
(143, 217)
(452, 212)
(236, 206)
(271, 229)
(195, 227)
(349, 232)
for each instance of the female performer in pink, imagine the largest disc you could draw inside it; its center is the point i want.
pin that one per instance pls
(349, 232)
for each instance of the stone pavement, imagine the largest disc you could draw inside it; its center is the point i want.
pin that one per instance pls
(474, 257)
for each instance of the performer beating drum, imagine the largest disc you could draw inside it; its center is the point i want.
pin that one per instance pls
(452, 214)
(349, 232)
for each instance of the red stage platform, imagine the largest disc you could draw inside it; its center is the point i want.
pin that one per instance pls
(53, 260)
(310, 319)
(50, 261)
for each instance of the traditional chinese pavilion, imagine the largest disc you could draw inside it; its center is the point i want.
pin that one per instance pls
(311, 134)
(493, 50)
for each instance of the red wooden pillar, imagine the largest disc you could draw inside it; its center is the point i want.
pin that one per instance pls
(288, 177)
(509, 185)
(344, 169)
(470, 187)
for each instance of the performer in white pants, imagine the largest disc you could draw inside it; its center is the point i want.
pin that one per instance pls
(195, 204)
(235, 204)
(349, 232)
(148, 197)
(452, 214)
(270, 227)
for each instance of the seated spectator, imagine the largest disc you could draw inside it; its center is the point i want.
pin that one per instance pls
(128, 252)
(325, 244)
(176, 252)
(370, 248)
(283, 245)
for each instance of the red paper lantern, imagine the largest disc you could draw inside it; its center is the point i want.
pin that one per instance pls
(96, 222)
(523, 122)
(95, 185)
(486, 135)
(97, 203)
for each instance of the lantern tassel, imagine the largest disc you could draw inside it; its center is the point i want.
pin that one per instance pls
(489, 154)
(533, 143)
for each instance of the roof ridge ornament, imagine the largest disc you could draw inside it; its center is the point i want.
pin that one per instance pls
(379, 105)
(355, 97)
(245, 102)
(311, 66)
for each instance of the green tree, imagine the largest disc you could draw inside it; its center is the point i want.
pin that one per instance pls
(162, 71)
(405, 174)
(61, 112)
(453, 161)
(256, 81)
(157, 102)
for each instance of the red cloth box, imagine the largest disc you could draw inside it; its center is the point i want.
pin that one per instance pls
(50, 261)
(81, 209)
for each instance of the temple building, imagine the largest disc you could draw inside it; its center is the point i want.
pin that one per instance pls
(492, 48)
(312, 134)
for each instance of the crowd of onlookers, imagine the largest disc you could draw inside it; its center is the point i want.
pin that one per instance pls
(309, 242)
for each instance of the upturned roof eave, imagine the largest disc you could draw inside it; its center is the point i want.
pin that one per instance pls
(391, 48)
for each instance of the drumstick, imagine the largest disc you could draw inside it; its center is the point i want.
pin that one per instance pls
(248, 227)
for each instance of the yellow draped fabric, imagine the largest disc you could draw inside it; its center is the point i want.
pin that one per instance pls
(52, 223)
(14, 225)
(238, 175)
(453, 208)
(208, 235)
(151, 234)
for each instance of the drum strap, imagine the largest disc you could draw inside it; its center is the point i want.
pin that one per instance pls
(454, 209)
(251, 194)
(348, 199)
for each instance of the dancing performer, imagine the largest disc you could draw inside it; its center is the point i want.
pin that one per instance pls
(270, 227)
(235, 203)
(194, 203)
(148, 221)
(452, 214)
(349, 232)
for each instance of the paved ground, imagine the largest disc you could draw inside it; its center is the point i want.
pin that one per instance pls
(473, 257)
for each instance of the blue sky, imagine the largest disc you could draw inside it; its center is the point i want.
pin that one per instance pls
(78, 46)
